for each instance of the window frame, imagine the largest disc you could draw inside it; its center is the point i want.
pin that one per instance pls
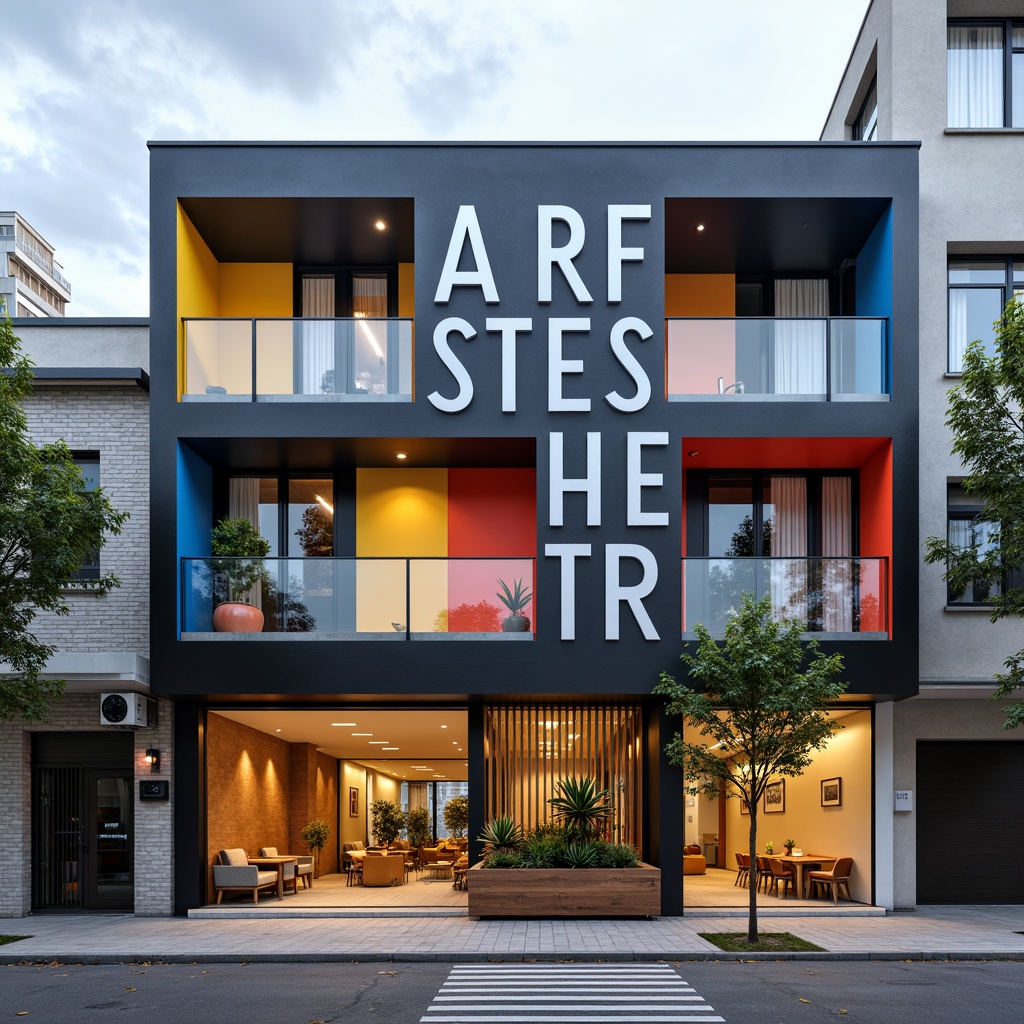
(90, 571)
(971, 511)
(1009, 288)
(1007, 25)
(866, 130)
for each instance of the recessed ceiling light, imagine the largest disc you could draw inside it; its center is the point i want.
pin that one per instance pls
(455, 743)
(378, 743)
(362, 734)
(444, 726)
(350, 725)
(277, 730)
(380, 225)
(389, 748)
(700, 227)
(401, 455)
(460, 750)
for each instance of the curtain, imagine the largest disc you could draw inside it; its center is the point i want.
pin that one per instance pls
(974, 76)
(317, 338)
(370, 299)
(244, 503)
(837, 574)
(957, 328)
(788, 567)
(800, 344)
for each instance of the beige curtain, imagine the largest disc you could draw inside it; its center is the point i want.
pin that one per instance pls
(837, 547)
(317, 339)
(789, 567)
(800, 344)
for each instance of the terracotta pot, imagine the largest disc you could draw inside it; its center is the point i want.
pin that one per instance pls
(232, 617)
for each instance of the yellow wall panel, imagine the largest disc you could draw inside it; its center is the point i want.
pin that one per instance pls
(406, 290)
(700, 295)
(402, 512)
(197, 283)
(256, 289)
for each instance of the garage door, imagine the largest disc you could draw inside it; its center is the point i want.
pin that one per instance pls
(970, 822)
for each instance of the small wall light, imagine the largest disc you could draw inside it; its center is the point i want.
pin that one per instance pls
(153, 759)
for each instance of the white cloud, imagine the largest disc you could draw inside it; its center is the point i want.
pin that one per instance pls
(89, 83)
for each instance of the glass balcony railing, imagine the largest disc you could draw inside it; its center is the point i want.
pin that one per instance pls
(307, 360)
(808, 358)
(359, 598)
(838, 597)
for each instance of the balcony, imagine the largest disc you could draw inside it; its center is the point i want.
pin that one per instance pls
(356, 359)
(835, 598)
(833, 359)
(379, 599)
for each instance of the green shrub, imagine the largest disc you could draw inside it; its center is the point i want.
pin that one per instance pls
(505, 860)
(388, 822)
(616, 855)
(456, 816)
(545, 847)
(417, 826)
(580, 855)
(502, 835)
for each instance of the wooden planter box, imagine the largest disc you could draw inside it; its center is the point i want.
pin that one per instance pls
(564, 892)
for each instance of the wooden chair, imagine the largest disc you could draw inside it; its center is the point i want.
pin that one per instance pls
(764, 874)
(836, 879)
(781, 873)
(742, 870)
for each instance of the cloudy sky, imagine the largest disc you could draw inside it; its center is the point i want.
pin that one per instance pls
(88, 82)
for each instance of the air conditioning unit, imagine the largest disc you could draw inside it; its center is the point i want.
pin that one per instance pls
(126, 709)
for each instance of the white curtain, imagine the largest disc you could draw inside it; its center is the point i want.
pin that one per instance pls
(974, 76)
(318, 337)
(957, 328)
(837, 547)
(244, 503)
(800, 344)
(789, 583)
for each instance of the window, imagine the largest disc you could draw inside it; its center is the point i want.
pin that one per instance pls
(89, 465)
(978, 291)
(967, 531)
(865, 127)
(985, 74)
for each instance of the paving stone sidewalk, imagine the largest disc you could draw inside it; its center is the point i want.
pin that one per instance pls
(992, 932)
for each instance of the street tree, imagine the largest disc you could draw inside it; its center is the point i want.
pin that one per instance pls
(49, 525)
(754, 712)
(986, 417)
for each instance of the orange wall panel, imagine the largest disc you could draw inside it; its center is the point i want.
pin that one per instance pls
(700, 295)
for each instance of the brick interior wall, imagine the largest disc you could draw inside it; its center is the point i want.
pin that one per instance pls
(262, 790)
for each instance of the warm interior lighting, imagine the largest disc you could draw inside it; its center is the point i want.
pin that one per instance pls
(326, 504)
(389, 748)
(444, 726)
(700, 227)
(401, 455)
(351, 725)
(380, 225)
(378, 743)
(369, 334)
(153, 758)
(362, 734)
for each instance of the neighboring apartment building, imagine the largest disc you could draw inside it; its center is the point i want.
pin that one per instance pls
(31, 282)
(636, 379)
(952, 76)
(75, 834)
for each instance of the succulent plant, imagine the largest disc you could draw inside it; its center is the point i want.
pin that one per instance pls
(502, 835)
(515, 599)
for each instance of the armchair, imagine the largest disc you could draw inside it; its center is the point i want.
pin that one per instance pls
(234, 873)
(302, 870)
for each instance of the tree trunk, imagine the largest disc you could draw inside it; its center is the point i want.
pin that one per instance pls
(752, 878)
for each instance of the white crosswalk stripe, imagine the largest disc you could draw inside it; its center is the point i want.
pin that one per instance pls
(567, 994)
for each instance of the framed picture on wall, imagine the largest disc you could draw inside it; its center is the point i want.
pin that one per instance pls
(353, 801)
(775, 797)
(744, 806)
(832, 792)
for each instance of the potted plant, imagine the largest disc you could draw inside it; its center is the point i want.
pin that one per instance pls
(456, 816)
(417, 827)
(789, 844)
(562, 868)
(769, 847)
(315, 834)
(515, 599)
(238, 568)
(388, 821)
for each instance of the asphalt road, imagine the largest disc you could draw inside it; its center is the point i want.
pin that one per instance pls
(403, 993)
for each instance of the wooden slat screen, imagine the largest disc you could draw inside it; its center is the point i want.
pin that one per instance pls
(528, 747)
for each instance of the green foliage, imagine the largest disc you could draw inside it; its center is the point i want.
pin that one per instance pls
(239, 566)
(49, 524)
(316, 534)
(544, 847)
(315, 834)
(581, 806)
(985, 417)
(616, 855)
(388, 821)
(456, 816)
(516, 599)
(757, 713)
(579, 855)
(502, 835)
(505, 860)
(417, 826)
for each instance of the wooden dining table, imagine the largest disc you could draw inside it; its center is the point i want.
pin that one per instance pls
(811, 861)
(279, 863)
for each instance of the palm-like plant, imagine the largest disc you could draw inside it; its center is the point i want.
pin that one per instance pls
(502, 835)
(581, 806)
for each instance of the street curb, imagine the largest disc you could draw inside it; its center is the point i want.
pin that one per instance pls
(687, 956)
